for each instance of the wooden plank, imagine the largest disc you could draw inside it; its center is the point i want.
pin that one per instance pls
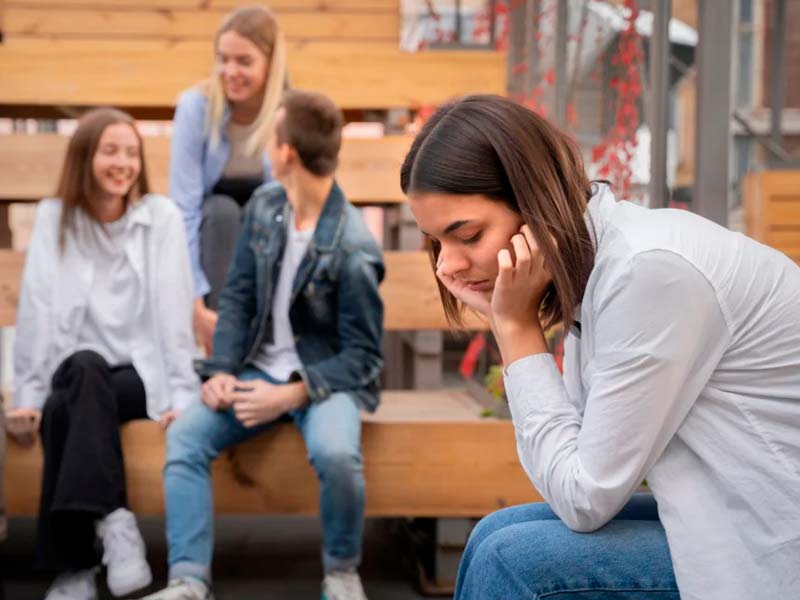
(216, 5)
(173, 25)
(148, 73)
(772, 209)
(369, 170)
(411, 297)
(409, 292)
(449, 464)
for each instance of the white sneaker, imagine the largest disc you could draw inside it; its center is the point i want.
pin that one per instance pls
(183, 589)
(77, 585)
(123, 553)
(342, 585)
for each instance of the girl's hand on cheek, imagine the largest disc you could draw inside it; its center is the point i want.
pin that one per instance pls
(479, 301)
(521, 283)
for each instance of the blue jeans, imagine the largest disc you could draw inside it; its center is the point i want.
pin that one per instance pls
(331, 430)
(527, 552)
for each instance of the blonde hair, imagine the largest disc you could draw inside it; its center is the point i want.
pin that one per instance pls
(258, 25)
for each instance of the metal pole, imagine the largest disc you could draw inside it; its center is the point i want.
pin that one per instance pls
(777, 83)
(562, 22)
(531, 46)
(659, 102)
(516, 48)
(715, 49)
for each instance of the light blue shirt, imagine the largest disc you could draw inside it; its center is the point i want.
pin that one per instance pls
(194, 169)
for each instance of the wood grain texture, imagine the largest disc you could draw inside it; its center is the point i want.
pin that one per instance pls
(425, 454)
(409, 292)
(108, 22)
(151, 73)
(369, 169)
(772, 209)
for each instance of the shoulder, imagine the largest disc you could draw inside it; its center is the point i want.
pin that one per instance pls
(190, 108)
(162, 210)
(358, 245)
(193, 97)
(269, 198)
(49, 209)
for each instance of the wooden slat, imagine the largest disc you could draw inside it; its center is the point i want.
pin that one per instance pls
(152, 73)
(772, 209)
(369, 170)
(199, 5)
(111, 23)
(411, 297)
(411, 300)
(440, 460)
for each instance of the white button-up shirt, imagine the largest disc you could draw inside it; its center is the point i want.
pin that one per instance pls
(686, 372)
(56, 293)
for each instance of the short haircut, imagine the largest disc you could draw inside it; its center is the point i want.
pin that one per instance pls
(312, 125)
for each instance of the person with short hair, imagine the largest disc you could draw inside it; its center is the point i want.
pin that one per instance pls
(218, 155)
(103, 336)
(298, 339)
(681, 367)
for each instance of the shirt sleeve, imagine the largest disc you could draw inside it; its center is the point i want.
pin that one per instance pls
(34, 327)
(186, 178)
(658, 333)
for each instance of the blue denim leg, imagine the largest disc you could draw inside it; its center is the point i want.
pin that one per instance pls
(332, 433)
(527, 552)
(194, 440)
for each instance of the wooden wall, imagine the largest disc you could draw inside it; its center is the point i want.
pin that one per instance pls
(142, 53)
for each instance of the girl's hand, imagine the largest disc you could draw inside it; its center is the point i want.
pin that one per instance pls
(22, 424)
(518, 292)
(167, 418)
(521, 282)
(479, 301)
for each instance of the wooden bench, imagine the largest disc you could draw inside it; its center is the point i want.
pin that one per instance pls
(772, 209)
(142, 53)
(369, 169)
(426, 453)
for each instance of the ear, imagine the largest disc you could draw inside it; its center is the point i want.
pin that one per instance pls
(288, 154)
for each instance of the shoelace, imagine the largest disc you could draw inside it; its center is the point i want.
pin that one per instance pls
(117, 540)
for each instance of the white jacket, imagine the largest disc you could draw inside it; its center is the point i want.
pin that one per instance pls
(56, 287)
(685, 371)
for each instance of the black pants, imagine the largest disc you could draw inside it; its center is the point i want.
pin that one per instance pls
(84, 476)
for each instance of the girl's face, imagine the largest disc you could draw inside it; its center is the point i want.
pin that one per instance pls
(241, 66)
(470, 230)
(117, 162)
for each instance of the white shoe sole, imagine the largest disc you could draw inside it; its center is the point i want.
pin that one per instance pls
(134, 576)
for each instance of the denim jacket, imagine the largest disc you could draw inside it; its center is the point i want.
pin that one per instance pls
(195, 166)
(336, 311)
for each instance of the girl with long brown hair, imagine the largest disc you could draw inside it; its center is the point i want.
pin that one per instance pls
(681, 368)
(103, 336)
(218, 155)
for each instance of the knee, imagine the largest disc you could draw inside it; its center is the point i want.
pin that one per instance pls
(189, 438)
(183, 442)
(489, 525)
(335, 463)
(221, 211)
(87, 359)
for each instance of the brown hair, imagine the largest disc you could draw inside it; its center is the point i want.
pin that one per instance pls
(258, 25)
(312, 125)
(492, 146)
(77, 186)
